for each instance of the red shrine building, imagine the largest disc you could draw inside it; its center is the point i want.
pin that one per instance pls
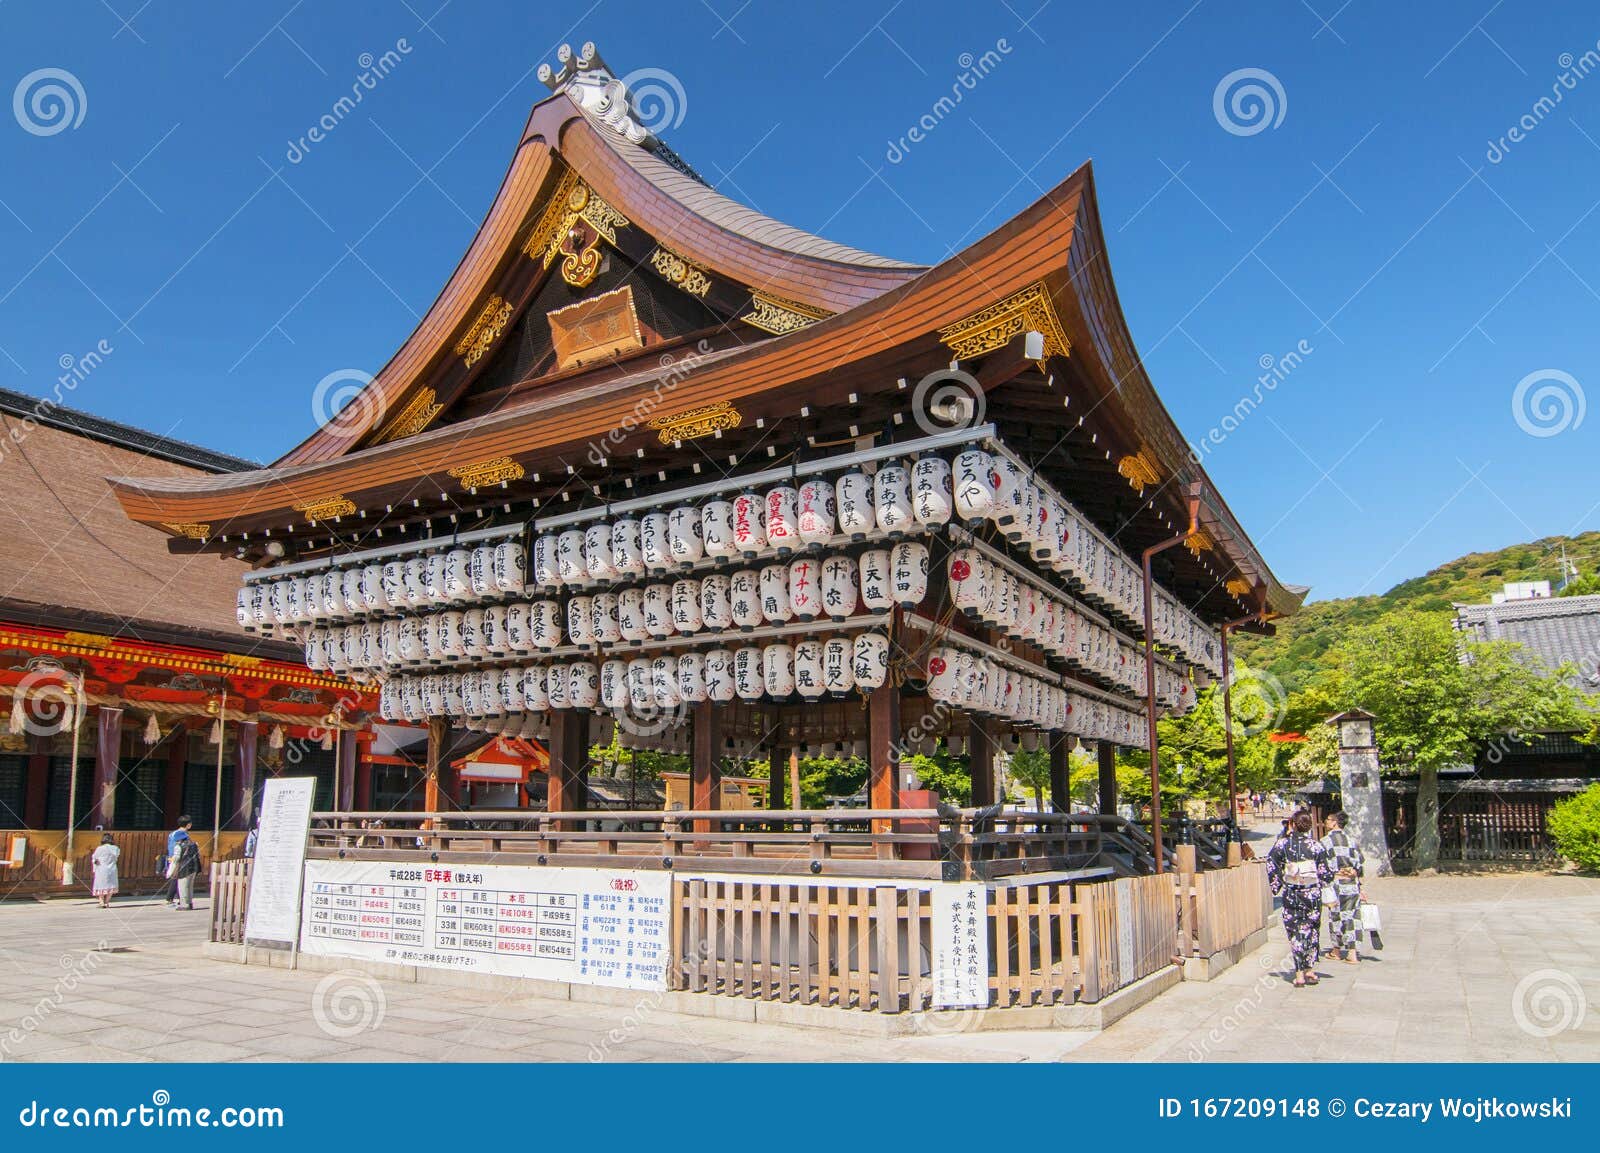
(655, 460)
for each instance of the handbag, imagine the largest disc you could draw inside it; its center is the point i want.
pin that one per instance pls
(1330, 896)
(1371, 921)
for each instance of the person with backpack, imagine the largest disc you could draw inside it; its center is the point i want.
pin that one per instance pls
(1298, 866)
(169, 858)
(184, 868)
(1344, 910)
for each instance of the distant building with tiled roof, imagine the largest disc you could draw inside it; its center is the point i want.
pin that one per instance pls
(1552, 630)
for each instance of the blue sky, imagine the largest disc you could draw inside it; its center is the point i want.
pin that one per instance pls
(1365, 217)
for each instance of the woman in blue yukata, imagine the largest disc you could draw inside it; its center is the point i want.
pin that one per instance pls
(1297, 868)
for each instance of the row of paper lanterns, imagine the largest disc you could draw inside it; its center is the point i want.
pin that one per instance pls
(804, 589)
(976, 684)
(809, 669)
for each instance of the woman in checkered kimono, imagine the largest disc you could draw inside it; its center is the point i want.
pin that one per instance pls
(1344, 917)
(1297, 868)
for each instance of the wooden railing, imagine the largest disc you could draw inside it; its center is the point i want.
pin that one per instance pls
(945, 843)
(230, 895)
(1219, 908)
(139, 868)
(870, 946)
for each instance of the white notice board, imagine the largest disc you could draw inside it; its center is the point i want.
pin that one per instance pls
(274, 910)
(960, 946)
(586, 926)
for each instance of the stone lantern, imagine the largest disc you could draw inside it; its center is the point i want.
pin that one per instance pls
(1361, 787)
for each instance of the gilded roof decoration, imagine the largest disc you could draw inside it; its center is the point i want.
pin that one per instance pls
(188, 529)
(484, 331)
(697, 422)
(325, 508)
(779, 316)
(487, 472)
(1139, 469)
(417, 414)
(680, 270)
(996, 326)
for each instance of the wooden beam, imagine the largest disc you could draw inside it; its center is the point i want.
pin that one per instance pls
(1108, 777)
(982, 746)
(569, 762)
(1061, 772)
(883, 751)
(436, 786)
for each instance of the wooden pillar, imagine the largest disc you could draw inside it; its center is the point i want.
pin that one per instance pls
(107, 764)
(438, 789)
(981, 749)
(569, 761)
(349, 747)
(364, 784)
(244, 803)
(1061, 772)
(777, 770)
(172, 781)
(883, 757)
(36, 791)
(1108, 777)
(705, 769)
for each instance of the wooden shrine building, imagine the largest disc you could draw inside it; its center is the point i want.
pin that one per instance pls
(92, 604)
(654, 459)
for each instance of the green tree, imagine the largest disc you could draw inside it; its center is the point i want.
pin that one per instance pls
(1438, 698)
(1574, 825)
(1031, 771)
(947, 775)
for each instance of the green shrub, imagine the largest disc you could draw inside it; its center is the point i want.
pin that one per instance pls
(1574, 825)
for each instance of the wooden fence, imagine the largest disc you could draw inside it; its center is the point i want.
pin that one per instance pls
(869, 946)
(230, 893)
(1220, 908)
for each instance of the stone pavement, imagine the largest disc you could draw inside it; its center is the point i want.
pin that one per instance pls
(1445, 988)
(1499, 967)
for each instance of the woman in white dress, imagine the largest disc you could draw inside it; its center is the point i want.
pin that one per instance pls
(104, 861)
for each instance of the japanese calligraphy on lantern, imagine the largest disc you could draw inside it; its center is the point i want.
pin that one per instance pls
(960, 946)
(587, 926)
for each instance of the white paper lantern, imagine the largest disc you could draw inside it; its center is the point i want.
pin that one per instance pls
(664, 681)
(569, 558)
(494, 630)
(658, 610)
(458, 575)
(931, 501)
(471, 704)
(316, 651)
(509, 567)
(876, 580)
(686, 606)
(870, 660)
(472, 633)
(969, 573)
(546, 564)
(278, 600)
(1007, 495)
(354, 596)
(816, 511)
(839, 589)
(535, 690)
(558, 686)
(372, 595)
(597, 555)
(454, 700)
(412, 590)
(641, 690)
(716, 528)
(627, 557)
(654, 542)
(583, 685)
(777, 671)
(480, 571)
(853, 495)
(603, 619)
(744, 599)
(544, 624)
(805, 589)
(908, 565)
(389, 642)
(838, 673)
(719, 675)
(974, 480)
(691, 678)
(783, 523)
(630, 615)
(432, 689)
(408, 641)
(685, 536)
(716, 612)
(775, 594)
(580, 620)
(809, 680)
(747, 674)
(614, 684)
(242, 609)
(517, 638)
(749, 524)
(943, 675)
(448, 638)
(891, 498)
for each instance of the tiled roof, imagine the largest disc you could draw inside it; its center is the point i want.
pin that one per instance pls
(1553, 629)
(40, 410)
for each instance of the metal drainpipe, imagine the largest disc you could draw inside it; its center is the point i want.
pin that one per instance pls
(1195, 490)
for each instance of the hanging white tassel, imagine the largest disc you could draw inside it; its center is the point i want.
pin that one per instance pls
(152, 731)
(275, 737)
(19, 714)
(216, 731)
(327, 740)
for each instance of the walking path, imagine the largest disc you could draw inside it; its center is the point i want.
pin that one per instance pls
(1446, 988)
